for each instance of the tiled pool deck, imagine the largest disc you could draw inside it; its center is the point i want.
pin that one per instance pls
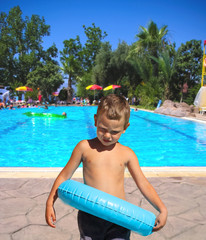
(23, 194)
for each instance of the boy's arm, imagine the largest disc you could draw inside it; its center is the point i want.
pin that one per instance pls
(147, 190)
(65, 174)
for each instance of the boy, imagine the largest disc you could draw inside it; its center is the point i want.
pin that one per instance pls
(104, 161)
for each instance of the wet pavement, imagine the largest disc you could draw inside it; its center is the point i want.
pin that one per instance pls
(22, 202)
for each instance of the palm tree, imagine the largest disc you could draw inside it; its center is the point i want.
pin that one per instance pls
(151, 41)
(71, 62)
(167, 63)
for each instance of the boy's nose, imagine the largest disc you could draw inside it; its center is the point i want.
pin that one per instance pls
(107, 135)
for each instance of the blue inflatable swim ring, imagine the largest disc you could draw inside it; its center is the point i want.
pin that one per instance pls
(106, 206)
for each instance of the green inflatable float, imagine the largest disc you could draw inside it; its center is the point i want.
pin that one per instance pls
(46, 115)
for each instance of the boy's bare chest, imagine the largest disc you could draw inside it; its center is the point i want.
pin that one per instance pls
(108, 159)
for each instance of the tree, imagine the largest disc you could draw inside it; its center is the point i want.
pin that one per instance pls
(47, 77)
(101, 72)
(8, 44)
(121, 70)
(189, 61)
(92, 46)
(151, 41)
(147, 88)
(63, 94)
(83, 82)
(148, 93)
(192, 93)
(21, 45)
(88, 55)
(167, 69)
(112, 67)
(188, 66)
(71, 59)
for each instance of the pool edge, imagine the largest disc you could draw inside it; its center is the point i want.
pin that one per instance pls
(29, 172)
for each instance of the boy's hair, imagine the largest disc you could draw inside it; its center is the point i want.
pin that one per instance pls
(115, 107)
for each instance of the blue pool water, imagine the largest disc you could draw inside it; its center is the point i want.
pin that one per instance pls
(45, 142)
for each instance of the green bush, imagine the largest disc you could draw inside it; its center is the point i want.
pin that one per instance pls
(192, 92)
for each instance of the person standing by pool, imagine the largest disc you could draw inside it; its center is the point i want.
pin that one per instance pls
(104, 161)
(39, 95)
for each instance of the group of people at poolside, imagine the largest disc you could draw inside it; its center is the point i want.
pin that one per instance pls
(11, 107)
(104, 161)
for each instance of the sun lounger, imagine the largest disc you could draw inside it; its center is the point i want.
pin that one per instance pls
(202, 110)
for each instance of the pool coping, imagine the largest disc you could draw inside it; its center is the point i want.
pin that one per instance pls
(190, 118)
(34, 172)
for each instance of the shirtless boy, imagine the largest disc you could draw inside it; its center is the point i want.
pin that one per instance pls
(104, 161)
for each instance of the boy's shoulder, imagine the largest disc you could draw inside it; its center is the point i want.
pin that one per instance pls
(125, 149)
(85, 145)
(82, 143)
(85, 142)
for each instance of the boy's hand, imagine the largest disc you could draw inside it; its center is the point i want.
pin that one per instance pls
(50, 216)
(160, 222)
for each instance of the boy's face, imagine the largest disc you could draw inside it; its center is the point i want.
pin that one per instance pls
(109, 131)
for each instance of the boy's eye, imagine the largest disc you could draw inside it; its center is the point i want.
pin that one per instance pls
(114, 132)
(102, 129)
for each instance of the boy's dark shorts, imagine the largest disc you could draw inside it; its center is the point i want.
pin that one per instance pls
(94, 228)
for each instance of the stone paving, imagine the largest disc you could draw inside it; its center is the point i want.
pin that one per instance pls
(22, 202)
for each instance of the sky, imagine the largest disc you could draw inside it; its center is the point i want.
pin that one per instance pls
(120, 19)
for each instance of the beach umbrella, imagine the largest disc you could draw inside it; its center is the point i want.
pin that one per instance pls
(55, 94)
(94, 87)
(5, 95)
(200, 99)
(30, 100)
(111, 87)
(24, 89)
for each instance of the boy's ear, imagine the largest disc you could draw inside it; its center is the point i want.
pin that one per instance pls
(95, 120)
(126, 127)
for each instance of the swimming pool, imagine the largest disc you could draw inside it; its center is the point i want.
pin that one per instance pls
(48, 142)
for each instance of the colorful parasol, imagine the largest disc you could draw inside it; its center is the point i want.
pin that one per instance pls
(24, 89)
(111, 87)
(200, 99)
(55, 94)
(5, 95)
(94, 87)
